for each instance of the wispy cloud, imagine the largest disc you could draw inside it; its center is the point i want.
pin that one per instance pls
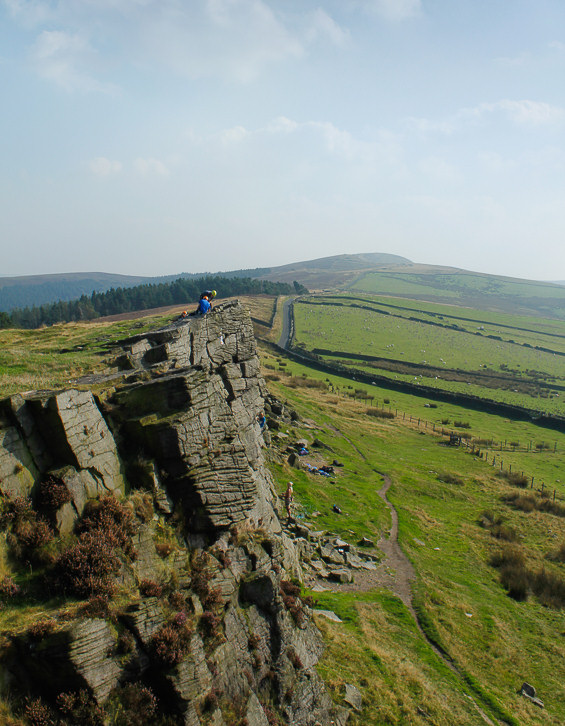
(232, 39)
(524, 113)
(151, 167)
(322, 26)
(105, 167)
(61, 57)
(395, 10)
(323, 138)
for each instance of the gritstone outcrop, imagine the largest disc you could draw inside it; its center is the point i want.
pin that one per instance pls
(149, 512)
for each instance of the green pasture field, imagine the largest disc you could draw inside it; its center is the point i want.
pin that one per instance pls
(546, 466)
(408, 341)
(514, 328)
(464, 288)
(496, 642)
(551, 404)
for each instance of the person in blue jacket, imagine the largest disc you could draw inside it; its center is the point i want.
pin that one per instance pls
(204, 306)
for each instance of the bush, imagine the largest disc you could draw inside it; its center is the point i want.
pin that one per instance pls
(210, 623)
(51, 494)
(517, 480)
(462, 424)
(27, 533)
(39, 713)
(448, 478)
(150, 588)
(558, 555)
(138, 705)
(80, 708)
(8, 588)
(539, 502)
(87, 568)
(514, 575)
(98, 606)
(112, 519)
(379, 413)
(523, 502)
(549, 588)
(170, 644)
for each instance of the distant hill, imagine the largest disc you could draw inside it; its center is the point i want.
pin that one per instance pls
(18, 292)
(26, 291)
(464, 288)
(376, 273)
(332, 272)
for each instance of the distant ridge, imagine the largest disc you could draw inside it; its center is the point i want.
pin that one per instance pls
(29, 290)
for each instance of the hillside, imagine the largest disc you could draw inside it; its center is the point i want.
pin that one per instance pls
(376, 273)
(431, 348)
(446, 636)
(25, 291)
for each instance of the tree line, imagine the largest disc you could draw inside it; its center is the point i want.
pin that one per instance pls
(142, 297)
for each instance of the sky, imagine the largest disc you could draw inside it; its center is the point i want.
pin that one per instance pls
(152, 137)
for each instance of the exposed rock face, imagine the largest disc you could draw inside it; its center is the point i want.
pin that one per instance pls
(212, 624)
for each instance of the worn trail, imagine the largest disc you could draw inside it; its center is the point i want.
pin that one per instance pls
(396, 573)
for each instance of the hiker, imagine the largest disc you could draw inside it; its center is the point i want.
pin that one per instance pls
(209, 295)
(262, 420)
(288, 500)
(204, 306)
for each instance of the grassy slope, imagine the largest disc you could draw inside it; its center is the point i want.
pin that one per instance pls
(378, 648)
(467, 288)
(504, 642)
(53, 357)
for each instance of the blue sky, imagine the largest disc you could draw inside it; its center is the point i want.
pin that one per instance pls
(159, 136)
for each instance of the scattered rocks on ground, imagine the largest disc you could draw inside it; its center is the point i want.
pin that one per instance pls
(529, 692)
(353, 697)
(329, 614)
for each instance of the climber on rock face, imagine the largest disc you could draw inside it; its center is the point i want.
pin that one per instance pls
(288, 500)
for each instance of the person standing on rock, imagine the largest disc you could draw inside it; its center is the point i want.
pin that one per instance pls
(288, 501)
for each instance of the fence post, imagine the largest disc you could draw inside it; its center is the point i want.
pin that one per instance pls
(532, 484)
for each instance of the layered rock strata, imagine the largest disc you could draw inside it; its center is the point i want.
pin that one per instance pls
(202, 596)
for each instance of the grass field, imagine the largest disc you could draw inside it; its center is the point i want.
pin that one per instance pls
(471, 289)
(486, 359)
(440, 494)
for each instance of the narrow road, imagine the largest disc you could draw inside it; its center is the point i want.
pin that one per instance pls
(284, 340)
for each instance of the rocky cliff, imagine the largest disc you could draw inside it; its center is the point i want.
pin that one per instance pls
(145, 573)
